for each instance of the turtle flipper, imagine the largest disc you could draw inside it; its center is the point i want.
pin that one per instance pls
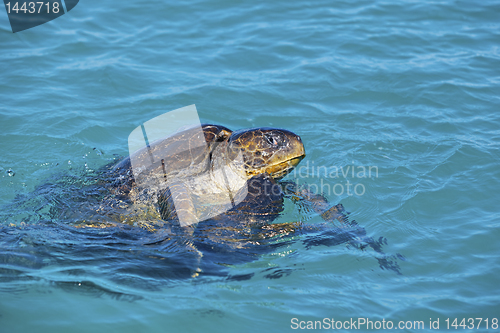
(317, 202)
(347, 231)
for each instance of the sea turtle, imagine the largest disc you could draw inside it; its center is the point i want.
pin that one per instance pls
(230, 182)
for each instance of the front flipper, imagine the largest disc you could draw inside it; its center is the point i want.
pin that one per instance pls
(348, 231)
(315, 201)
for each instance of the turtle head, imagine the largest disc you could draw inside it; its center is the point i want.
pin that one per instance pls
(271, 150)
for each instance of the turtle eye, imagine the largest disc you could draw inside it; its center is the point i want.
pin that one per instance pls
(272, 140)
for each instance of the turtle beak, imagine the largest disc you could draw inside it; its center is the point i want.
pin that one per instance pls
(297, 151)
(298, 154)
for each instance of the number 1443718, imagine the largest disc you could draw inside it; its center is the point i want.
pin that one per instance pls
(32, 7)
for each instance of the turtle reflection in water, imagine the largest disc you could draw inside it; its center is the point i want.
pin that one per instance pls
(223, 196)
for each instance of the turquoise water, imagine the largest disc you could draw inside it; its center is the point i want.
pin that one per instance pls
(411, 88)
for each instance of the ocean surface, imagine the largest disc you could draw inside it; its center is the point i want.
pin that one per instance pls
(409, 90)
